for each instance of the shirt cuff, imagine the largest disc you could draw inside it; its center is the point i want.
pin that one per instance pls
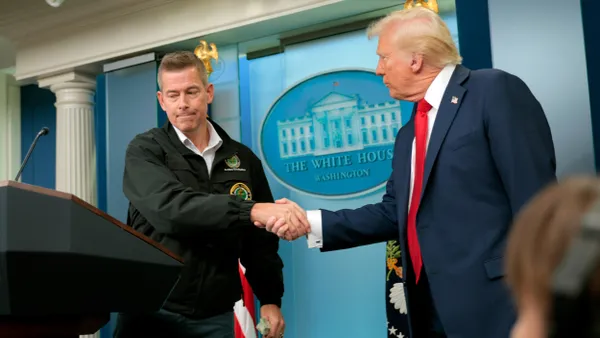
(315, 236)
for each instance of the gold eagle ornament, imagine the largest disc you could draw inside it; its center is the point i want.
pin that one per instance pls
(431, 4)
(206, 53)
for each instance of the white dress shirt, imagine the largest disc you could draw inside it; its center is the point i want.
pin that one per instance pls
(214, 143)
(433, 96)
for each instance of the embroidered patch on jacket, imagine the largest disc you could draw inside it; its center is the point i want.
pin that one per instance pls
(241, 190)
(233, 163)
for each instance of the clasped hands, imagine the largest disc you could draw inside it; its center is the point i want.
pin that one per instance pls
(284, 218)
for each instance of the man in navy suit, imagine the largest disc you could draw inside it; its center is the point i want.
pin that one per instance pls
(476, 149)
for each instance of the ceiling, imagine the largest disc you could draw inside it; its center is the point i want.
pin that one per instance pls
(261, 35)
(22, 22)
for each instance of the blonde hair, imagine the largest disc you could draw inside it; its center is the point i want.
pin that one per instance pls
(427, 34)
(541, 234)
(181, 60)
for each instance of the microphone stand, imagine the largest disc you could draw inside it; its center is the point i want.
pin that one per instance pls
(42, 132)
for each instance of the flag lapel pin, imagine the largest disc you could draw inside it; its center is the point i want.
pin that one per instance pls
(454, 100)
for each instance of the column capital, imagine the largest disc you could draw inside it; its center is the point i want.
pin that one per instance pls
(71, 88)
(68, 80)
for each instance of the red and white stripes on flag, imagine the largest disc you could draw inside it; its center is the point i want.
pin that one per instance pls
(244, 310)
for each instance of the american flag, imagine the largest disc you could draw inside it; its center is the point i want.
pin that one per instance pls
(244, 311)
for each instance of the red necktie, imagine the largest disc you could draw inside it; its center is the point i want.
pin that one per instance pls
(420, 148)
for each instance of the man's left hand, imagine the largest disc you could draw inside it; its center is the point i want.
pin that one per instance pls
(272, 313)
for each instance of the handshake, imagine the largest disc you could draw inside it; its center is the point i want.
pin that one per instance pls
(284, 218)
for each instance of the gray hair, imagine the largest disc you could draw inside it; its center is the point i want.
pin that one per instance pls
(182, 60)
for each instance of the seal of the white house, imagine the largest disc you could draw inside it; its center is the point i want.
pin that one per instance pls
(332, 135)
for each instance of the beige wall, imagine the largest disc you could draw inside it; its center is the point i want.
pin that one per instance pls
(10, 126)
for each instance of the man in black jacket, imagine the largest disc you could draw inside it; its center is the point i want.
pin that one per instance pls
(199, 193)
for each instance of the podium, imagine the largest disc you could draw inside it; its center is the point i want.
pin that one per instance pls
(66, 265)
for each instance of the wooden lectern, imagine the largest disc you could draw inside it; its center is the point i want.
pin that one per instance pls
(65, 265)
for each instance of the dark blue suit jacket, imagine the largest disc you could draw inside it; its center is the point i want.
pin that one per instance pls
(489, 153)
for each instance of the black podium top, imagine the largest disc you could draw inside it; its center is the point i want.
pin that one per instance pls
(61, 256)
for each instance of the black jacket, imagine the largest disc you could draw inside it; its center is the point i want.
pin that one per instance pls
(204, 220)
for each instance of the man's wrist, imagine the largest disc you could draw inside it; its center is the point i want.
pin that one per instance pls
(255, 211)
(271, 301)
(246, 210)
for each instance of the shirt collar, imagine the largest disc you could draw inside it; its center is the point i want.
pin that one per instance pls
(436, 90)
(214, 140)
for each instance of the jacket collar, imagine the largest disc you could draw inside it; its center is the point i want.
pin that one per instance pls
(460, 75)
(228, 146)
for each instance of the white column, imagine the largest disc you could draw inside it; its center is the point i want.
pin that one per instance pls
(75, 142)
(10, 126)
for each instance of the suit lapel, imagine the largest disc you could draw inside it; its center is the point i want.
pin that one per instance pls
(403, 174)
(453, 97)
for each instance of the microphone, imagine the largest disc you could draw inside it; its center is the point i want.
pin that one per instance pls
(42, 132)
